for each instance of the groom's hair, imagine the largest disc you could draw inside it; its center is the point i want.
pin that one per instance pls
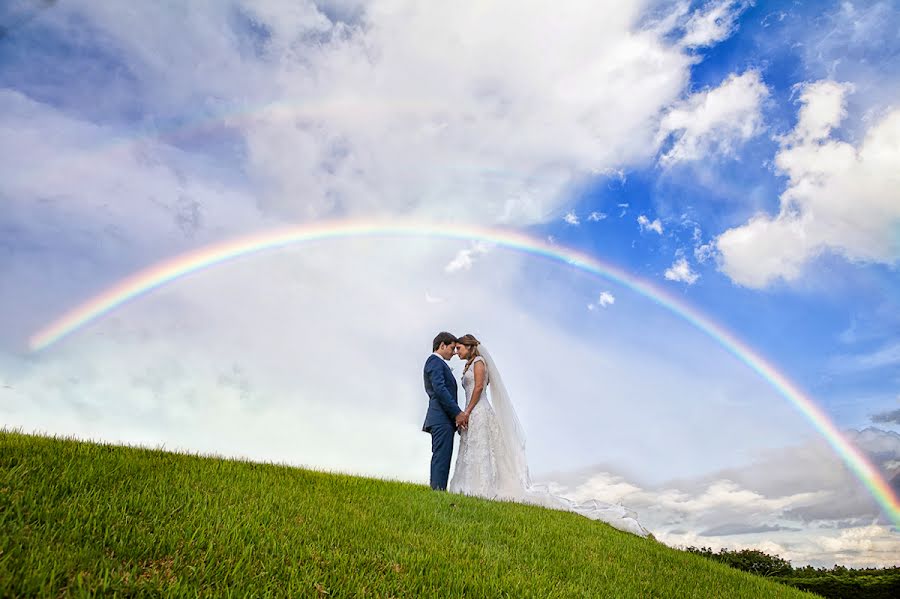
(445, 338)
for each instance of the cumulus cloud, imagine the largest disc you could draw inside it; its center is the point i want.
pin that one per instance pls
(681, 271)
(571, 218)
(840, 198)
(823, 109)
(704, 252)
(799, 501)
(617, 174)
(714, 121)
(712, 23)
(385, 108)
(596, 217)
(647, 225)
(465, 258)
(852, 42)
(418, 106)
(605, 299)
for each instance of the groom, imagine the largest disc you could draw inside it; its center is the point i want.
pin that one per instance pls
(444, 414)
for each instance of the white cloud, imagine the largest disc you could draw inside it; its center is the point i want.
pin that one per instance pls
(447, 110)
(704, 252)
(852, 42)
(823, 109)
(840, 198)
(596, 217)
(860, 541)
(712, 23)
(681, 271)
(393, 109)
(465, 258)
(617, 173)
(647, 225)
(571, 218)
(605, 299)
(714, 121)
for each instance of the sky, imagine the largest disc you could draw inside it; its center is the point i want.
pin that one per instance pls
(739, 155)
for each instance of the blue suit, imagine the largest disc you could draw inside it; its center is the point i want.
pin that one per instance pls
(440, 420)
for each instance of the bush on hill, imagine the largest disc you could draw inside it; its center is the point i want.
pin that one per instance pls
(838, 582)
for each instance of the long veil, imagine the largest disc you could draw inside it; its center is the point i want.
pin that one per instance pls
(514, 465)
(514, 479)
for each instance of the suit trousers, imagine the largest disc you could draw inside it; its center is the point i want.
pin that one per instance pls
(441, 453)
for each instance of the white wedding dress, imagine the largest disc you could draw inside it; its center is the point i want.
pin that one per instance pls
(491, 459)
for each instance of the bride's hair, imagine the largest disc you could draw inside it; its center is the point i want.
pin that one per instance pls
(471, 342)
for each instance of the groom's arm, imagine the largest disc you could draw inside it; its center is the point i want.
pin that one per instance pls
(439, 384)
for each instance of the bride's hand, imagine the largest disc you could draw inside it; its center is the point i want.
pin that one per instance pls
(462, 420)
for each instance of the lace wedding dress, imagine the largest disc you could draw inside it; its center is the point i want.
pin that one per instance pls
(491, 459)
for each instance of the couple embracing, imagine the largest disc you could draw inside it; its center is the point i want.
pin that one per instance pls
(491, 461)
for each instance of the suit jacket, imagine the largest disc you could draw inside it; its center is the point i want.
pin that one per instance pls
(441, 389)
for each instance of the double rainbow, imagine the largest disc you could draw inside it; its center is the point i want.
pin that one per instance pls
(181, 266)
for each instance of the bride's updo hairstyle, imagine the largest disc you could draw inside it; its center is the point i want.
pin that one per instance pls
(471, 342)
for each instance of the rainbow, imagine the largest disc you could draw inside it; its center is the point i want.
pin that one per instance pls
(175, 268)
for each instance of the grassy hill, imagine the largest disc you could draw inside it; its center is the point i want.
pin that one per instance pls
(80, 518)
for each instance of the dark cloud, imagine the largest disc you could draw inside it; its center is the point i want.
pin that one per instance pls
(742, 529)
(840, 506)
(846, 523)
(892, 417)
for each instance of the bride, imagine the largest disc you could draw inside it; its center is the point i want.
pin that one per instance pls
(491, 460)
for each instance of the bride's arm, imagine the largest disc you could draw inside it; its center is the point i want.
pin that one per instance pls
(479, 386)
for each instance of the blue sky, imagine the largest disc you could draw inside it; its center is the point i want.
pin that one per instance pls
(740, 154)
(803, 326)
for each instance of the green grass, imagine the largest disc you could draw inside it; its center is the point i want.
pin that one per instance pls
(80, 519)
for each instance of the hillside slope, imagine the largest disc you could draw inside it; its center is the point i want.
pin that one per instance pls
(80, 518)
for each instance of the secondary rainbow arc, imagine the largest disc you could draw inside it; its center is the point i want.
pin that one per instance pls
(175, 268)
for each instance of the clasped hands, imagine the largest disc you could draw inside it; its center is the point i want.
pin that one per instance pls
(462, 421)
